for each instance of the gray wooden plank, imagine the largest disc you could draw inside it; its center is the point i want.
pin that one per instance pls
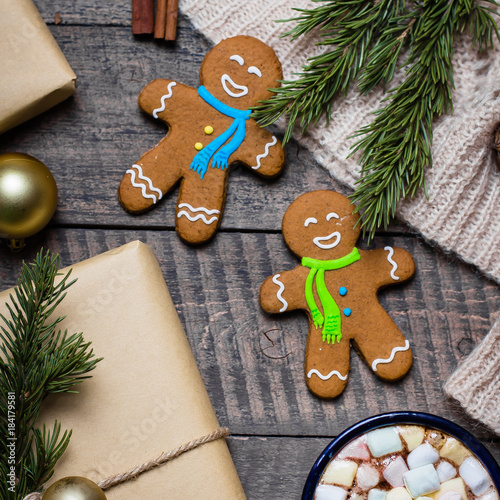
(87, 12)
(89, 141)
(252, 363)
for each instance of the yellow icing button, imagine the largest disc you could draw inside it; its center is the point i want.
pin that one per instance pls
(198, 146)
(209, 130)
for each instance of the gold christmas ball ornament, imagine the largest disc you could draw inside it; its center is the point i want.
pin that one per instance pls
(28, 197)
(74, 488)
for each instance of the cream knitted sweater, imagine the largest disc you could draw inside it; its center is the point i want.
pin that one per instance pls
(462, 213)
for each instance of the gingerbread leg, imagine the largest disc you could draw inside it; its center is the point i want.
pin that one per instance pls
(200, 205)
(326, 365)
(144, 184)
(389, 356)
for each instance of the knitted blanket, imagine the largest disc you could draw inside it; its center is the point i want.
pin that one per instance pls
(462, 213)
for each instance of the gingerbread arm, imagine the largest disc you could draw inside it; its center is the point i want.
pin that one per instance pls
(390, 265)
(261, 151)
(165, 99)
(283, 291)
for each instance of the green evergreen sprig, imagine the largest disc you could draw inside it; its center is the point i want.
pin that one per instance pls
(36, 360)
(365, 41)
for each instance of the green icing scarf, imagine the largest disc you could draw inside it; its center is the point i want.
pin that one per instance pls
(331, 330)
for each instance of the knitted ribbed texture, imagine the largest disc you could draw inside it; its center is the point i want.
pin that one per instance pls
(476, 383)
(462, 214)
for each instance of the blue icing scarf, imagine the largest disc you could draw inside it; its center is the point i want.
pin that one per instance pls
(238, 128)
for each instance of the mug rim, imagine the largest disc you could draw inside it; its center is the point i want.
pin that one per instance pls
(393, 418)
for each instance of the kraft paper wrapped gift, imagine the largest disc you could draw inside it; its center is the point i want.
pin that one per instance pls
(34, 74)
(146, 396)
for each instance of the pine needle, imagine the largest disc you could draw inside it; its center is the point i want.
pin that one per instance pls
(36, 360)
(365, 41)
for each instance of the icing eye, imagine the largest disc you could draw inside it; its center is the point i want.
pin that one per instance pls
(332, 215)
(255, 71)
(238, 59)
(310, 220)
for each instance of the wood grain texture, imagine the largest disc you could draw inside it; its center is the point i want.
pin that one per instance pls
(251, 362)
(87, 12)
(89, 141)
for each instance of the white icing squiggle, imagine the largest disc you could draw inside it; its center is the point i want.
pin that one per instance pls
(141, 185)
(164, 98)
(391, 357)
(225, 79)
(238, 59)
(326, 377)
(391, 261)
(197, 217)
(280, 291)
(199, 209)
(266, 152)
(326, 246)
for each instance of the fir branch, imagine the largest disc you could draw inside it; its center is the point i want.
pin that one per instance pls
(37, 360)
(366, 40)
(349, 26)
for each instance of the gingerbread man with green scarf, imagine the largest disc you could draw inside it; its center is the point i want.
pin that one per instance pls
(337, 285)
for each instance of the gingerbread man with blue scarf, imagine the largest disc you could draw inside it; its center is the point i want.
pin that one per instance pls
(337, 284)
(210, 129)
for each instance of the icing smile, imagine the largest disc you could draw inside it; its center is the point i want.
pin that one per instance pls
(231, 87)
(319, 239)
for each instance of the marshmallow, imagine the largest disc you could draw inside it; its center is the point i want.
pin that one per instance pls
(422, 455)
(445, 471)
(398, 494)
(456, 485)
(491, 495)
(384, 441)
(355, 449)
(367, 477)
(330, 492)
(340, 472)
(375, 494)
(451, 495)
(454, 451)
(393, 473)
(421, 480)
(474, 475)
(413, 435)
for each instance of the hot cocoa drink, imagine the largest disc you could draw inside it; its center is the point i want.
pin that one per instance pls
(405, 462)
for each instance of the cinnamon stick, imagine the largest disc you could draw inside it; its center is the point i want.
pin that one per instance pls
(171, 30)
(161, 19)
(143, 17)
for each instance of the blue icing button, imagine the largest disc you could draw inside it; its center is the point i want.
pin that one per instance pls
(343, 290)
(347, 311)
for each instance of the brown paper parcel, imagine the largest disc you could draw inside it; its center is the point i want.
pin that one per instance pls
(34, 72)
(146, 396)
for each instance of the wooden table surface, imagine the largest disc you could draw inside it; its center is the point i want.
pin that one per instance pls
(251, 362)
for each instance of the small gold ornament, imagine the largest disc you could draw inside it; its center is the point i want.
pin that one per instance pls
(198, 146)
(74, 488)
(28, 197)
(209, 130)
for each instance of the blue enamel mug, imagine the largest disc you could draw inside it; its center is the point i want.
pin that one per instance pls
(400, 418)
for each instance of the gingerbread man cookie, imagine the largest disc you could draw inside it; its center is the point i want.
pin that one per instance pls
(210, 129)
(337, 284)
